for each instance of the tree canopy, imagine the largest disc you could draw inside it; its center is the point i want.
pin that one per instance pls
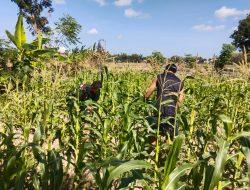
(32, 12)
(241, 35)
(225, 56)
(68, 30)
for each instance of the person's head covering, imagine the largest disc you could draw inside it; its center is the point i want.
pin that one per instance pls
(171, 67)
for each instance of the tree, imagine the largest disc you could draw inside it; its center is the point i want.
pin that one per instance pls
(225, 56)
(190, 60)
(156, 58)
(133, 58)
(176, 59)
(136, 58)
(68, 29)
(32, 11)
(241, 35)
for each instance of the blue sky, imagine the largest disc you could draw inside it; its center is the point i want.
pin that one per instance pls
(174, 27)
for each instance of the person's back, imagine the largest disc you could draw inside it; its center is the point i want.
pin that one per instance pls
(169, 95)
(168, 86)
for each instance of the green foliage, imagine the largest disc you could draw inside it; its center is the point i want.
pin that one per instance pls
(7, 54)
(170, 163)
(241, 34)
(32, 11)
(190, 60)
(225, 56)
(19, 39)
(27, 54)
(125, 58)
(67, 29)
(176, 59)
(49, 144)
(156, 58)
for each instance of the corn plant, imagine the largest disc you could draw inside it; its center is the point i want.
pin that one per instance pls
(49, 140)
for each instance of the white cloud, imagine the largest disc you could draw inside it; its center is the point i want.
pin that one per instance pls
(121, 3)
(60, 2)
(120, 37)
(131, 13)
(93, 31)
(225, 12)
(101, 2)
(206, 27)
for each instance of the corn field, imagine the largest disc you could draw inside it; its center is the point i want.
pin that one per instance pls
(49, 139)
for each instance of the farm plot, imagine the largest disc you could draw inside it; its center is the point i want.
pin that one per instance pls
(49, 141)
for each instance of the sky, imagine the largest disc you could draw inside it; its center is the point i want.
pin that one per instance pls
(173, 27)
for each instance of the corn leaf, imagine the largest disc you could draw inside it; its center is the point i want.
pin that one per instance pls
(125, 167)
(37, 135)
(173, 179)
(247, 154)
(239, 135)
(220, 162)
(172, 158)
(228, 124)
(20, 180)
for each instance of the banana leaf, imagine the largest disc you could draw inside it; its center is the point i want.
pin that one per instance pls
(20, 36)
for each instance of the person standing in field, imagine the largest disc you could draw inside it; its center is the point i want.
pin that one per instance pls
(170, 95)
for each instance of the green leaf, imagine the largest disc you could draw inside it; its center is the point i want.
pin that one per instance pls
(239, 135)
(197, 174)
(248, 117)
(11, 37)
(172, 158)
(37, 135)
(39, 154)
(228, 124)
(36, 182)
(220, 162)
(208, 176)
(11, 163)
(175, 175)
(247, 155)
(20, 35)
(125, 167)
(20, 180)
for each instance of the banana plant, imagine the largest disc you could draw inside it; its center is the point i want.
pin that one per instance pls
(28, 52)
(19, 38)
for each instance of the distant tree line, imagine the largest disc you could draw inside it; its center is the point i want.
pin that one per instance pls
(67, 30)
(123, 58)
(156, 58)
